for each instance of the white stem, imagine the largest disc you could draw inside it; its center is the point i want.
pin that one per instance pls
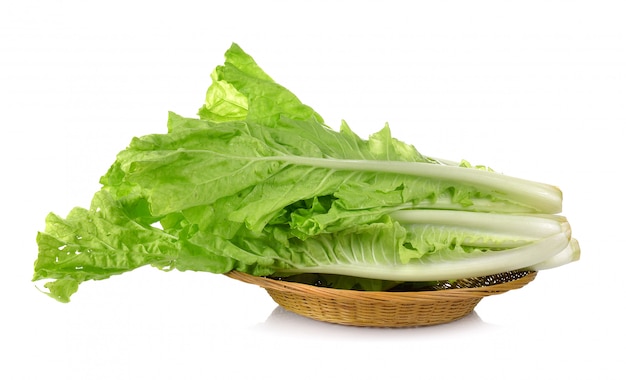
(570, 254)
(433, 268)
(526, 226)
(543, 197)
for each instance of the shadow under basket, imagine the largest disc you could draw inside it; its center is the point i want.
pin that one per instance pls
(443, 303)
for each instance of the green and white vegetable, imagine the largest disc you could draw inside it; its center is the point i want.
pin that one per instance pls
(260, 184)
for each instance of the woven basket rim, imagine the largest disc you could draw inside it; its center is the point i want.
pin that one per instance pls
(520, 279)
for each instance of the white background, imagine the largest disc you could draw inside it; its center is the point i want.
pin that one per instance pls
(535, 89)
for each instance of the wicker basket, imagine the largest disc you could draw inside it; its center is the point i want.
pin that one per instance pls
(445, 303)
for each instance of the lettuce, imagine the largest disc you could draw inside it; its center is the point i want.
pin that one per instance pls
(259, 183)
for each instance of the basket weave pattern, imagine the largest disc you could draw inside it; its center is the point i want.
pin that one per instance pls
(445, 303)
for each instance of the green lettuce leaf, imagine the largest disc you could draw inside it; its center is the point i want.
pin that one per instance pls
(258, 183)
